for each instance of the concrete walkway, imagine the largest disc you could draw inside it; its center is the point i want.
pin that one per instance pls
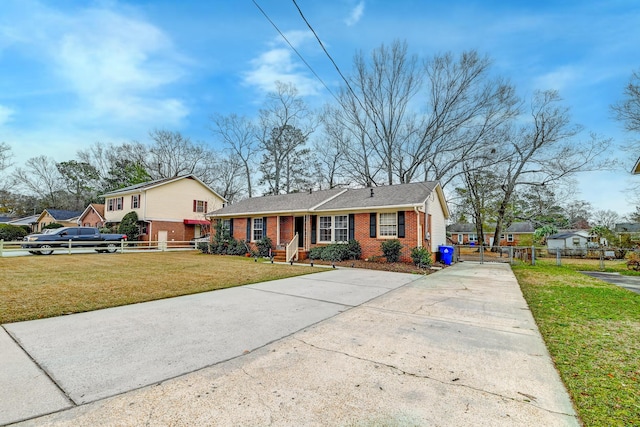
(458, 347)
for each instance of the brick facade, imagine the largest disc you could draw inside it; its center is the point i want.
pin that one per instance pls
(176, 231)
(370, 246)
(92, 219)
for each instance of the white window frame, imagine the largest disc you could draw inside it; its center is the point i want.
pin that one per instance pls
(115, 204)
(460, 238)
(135, 201)
(328, 228)
(255, 229)
(473, 237)
(388, 230)
(325, 229)
(510, 238)
(200, 206)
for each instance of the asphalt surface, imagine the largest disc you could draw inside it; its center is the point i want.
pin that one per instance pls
(341, 347)
(631, 283)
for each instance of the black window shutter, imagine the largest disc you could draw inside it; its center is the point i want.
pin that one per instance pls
(231, 227)
(249, 229)
(372, 225)
(401, 224)
(313, 229)
(352, 227)
(264, 226)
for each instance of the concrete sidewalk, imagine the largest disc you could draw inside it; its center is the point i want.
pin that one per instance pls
(458, 347)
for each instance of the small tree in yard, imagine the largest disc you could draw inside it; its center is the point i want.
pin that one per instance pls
(391, 250)
(10, 232)
(129, 226)
(421, 256)
(541, 234)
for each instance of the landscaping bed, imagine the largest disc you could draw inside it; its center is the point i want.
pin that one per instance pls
(398, 267)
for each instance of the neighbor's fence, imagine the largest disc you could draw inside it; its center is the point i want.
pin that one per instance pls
(14, 248)
(529, 254)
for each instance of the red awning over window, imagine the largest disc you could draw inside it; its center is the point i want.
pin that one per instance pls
(196, 222)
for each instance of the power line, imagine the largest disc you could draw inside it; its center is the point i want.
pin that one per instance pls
(295, 50)
(329, 56)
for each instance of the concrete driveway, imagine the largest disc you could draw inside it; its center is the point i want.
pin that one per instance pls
(342, 347)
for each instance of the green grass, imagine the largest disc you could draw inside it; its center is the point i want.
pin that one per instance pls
(592, 330)
(45, 286)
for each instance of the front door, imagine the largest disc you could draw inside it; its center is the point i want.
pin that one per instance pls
(299, 228)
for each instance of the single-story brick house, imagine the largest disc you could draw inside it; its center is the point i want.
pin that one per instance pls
(414, 213)
(517, 234)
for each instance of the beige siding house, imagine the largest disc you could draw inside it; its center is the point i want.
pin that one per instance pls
(58, 216)
(169, 210)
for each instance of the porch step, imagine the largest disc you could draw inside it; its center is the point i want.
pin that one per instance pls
(280, 255)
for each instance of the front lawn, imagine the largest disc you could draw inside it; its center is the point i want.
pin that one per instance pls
(592, 330)
(35, 287)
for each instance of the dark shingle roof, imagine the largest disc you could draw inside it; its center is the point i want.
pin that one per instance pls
(63, 215)
(628, 227)
(461, 227)
(520, 227)
(293, 202)
(412, 194)
(405, 195)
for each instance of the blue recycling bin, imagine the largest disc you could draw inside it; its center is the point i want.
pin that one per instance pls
(446, 254)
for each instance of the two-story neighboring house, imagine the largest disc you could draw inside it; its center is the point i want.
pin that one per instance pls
(169, 210)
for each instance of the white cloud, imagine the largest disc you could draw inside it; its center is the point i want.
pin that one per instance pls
(117, 66)
(280, 63)
(559, 79)
(5, 114)
(355, 15)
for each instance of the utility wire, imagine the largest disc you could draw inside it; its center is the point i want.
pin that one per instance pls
(294, 49)
(329, 56)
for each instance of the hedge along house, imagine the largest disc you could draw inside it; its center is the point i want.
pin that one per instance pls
(413, 213)
(169, 210)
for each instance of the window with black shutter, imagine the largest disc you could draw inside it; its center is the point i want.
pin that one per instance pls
(372, 225)
(352, 227)
(313, 228)
(401, 224)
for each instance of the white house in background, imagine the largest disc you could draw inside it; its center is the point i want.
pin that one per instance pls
(571, 242)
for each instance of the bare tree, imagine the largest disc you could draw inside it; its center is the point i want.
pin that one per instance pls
(238, 134)
(467, 110)
(627, 110)
(229, 177)
(606, 218)
(544, 152)
(5, 163)
(347, 127)
(41, 177)
(578, 213)
(5, 156)
(422, 121)
(285, 126)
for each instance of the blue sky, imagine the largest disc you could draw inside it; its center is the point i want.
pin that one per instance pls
(75, 72)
